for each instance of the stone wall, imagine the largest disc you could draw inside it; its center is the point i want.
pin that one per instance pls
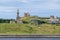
(51, 17)
(26, 14)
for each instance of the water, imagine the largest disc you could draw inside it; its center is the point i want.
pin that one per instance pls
(29, 38)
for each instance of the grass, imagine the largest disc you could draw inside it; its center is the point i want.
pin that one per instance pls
(7, 28)
(49, 29)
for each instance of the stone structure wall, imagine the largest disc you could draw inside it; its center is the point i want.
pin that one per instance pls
(26, 14)
(51, 17)
(17, 17)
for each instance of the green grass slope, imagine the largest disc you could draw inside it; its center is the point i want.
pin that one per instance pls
(7, 28)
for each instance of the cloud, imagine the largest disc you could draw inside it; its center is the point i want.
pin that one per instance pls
(45, 4)
(33, 4)
(4, 1)
(24, 1)
(7, 9)
(29, 5)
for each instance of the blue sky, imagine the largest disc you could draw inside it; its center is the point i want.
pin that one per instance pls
(43, 8)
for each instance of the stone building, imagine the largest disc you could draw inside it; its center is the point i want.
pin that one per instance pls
(18, 17)
(26, 14)
(53, 20)
(51, 17)
(58, 18)
(21, 19)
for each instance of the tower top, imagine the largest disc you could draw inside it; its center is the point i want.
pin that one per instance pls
(18, 10)
(17, 14)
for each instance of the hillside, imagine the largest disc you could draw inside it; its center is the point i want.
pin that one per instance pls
(6, 28)
(31, 27)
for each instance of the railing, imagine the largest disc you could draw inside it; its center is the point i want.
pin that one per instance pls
(29, 36)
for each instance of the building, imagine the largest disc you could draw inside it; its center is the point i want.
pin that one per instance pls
(21, 19)
(26, 14)
(53, 20)
(18, 17)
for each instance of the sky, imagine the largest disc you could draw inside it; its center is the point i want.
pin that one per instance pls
(42, 8)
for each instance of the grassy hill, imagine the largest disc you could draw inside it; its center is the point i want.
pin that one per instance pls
(7, 28)
(18, 28)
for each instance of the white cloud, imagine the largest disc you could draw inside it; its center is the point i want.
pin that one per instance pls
(24, 1)
(48, 4)
(33, 4)
(36, 6)
(7, 9)
(4, 1)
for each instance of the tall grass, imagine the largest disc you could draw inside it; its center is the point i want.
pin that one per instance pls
(7, 28)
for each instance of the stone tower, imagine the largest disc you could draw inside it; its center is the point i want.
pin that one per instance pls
(17, 15)
(26, 14)
(51, 17)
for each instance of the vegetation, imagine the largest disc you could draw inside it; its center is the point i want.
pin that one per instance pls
(7, 28)
(6, 20)
(18, 28)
